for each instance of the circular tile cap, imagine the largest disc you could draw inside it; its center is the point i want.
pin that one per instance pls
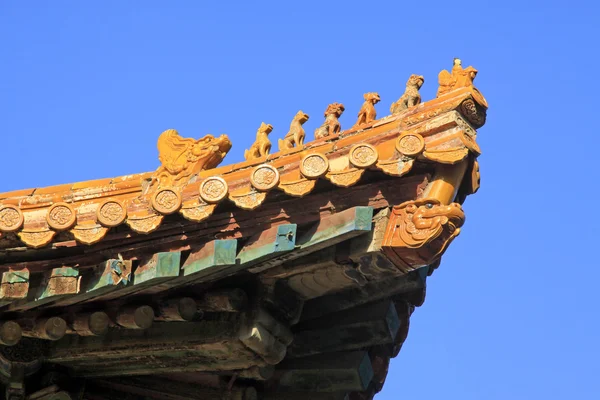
(11, 218)
(61, 216)
(314, 166)
(166, 201)
(410, 144)
(111, 213)
(213, 189)
(264, 177)
(363, 155)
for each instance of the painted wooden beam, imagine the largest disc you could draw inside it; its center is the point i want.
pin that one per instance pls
(268, 244)
(99, 281)
(149, 277)
(163, 364)
(337, 267)
(56, 284)
(60, 282)
(14, 286)
(159, 269)
(327, 232)
(370, 292)
(212, 257)
(353, 329)
(333, 372)
(159, 339)
(339, 227)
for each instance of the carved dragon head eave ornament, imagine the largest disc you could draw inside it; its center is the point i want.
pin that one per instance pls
(420, 231)
(182, 158)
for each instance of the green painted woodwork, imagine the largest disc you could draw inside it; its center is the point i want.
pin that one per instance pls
(69, 285)
(58, 283)
(101, 280)
(161, 266)
(15, 286)
(354, 220)
(270, 243)
(214, 254)
(327, 232)
(114, 273)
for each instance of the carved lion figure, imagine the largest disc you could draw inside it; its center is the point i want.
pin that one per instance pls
(367, 112)
(295, 137)
(181, 158)
(331, 126)
(262, 145)
(411, 96)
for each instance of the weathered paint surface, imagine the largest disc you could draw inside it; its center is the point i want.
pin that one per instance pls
(213, 254)
(268, 244)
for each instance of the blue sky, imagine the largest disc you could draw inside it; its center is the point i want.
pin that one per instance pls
(87, 87)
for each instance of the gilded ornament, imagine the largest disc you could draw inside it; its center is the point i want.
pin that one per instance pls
(89, 235)
(213, 189)
(61, 216)
(144, 224)
(332, 125)
(395, 167)
(345, 178)
(198, 212)
(363, 155)
(314, 166)
(166, 200)
(298, 188)
(447, 156)
(470, 143)
(111, 213)
(296, 134)
(11, 218)
(420, 117)
(262, 145)
(420, 231)
(411, 96)
(410, 144)
(475, 114)
(181, 158)
(248, 201)
(36, 239)
(264, 177)
(367, 112)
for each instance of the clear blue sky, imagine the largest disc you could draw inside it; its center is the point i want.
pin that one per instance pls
(87, 87)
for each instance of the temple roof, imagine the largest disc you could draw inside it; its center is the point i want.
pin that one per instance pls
(291, 274)
(86, 210)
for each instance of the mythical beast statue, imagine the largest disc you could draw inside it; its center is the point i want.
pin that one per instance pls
(420, 231)
(181, 158)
